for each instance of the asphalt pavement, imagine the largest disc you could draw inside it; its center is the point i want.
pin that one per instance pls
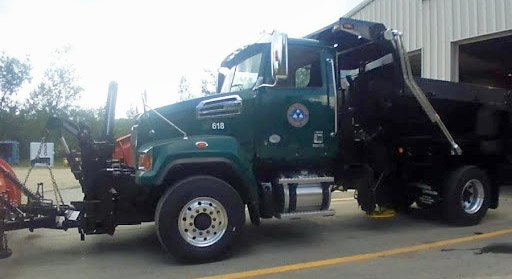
(348, 245)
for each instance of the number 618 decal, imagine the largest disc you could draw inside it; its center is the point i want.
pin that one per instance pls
(218, 126)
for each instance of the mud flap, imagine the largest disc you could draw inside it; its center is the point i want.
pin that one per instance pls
(366, 197)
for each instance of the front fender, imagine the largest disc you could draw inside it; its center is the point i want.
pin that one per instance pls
(169, 153)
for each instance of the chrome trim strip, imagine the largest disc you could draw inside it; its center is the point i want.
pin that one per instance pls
(307, 214)
(306, 180)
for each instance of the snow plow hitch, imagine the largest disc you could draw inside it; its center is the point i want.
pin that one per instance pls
(37, 213)
(103, 179)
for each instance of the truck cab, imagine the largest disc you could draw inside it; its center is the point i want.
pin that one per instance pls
(262, 127)
(293, 118)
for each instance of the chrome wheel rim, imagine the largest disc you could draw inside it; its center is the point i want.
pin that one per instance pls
(472, 197)
(202, 221)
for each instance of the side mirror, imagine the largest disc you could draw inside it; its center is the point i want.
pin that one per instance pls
(279, 56)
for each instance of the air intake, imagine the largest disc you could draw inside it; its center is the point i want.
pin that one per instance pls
(219, 107)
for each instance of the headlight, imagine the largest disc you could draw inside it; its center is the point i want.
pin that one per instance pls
(145, 160)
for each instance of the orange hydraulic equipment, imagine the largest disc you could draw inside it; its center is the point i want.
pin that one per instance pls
(7, 187)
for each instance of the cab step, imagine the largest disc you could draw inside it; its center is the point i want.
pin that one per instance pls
(307, 214)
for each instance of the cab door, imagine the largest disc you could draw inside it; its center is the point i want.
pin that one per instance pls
(295, 118)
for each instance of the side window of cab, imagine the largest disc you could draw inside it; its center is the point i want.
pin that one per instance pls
(303, 68)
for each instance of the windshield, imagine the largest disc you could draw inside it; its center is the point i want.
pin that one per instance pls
(243, 75)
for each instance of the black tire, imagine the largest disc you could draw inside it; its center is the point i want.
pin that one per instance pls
(182, 193)
(452, 207)
(365, 196)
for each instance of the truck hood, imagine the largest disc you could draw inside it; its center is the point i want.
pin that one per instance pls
(151, 127)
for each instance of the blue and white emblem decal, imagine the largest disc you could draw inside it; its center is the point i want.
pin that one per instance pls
(298, 115)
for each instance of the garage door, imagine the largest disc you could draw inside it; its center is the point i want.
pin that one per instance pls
(487, 62)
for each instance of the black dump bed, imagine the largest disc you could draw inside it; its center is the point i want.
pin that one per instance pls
(374, 87)
(472, 113)
(500, 99)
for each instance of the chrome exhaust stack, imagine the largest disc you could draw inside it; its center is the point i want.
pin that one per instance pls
(110, 112)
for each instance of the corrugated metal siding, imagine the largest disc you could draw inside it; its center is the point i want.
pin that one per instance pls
(432, 25)
(403, 15)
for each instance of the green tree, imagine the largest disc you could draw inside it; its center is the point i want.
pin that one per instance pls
(208, 83)
(184, 90)
(13, 73)
(132, 112)
(302, 77)
(123, 127)
(58, 90)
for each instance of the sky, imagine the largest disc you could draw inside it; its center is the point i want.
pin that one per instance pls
(148, 45)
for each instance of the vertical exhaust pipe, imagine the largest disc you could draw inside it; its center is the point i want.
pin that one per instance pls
(110, 111)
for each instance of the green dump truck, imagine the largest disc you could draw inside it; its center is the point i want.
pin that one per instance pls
(293, 121)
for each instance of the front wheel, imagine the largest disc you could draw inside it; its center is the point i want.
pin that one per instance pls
(199, 218)
(466, 196)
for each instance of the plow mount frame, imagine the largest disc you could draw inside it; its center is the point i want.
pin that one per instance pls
(36, 214)
(108, 185)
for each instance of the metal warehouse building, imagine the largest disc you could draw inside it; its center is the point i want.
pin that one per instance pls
(455, 40)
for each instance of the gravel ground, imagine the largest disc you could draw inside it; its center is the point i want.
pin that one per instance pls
(63, 176)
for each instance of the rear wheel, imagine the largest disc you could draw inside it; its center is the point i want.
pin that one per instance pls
(199, 218)
(466, 196)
